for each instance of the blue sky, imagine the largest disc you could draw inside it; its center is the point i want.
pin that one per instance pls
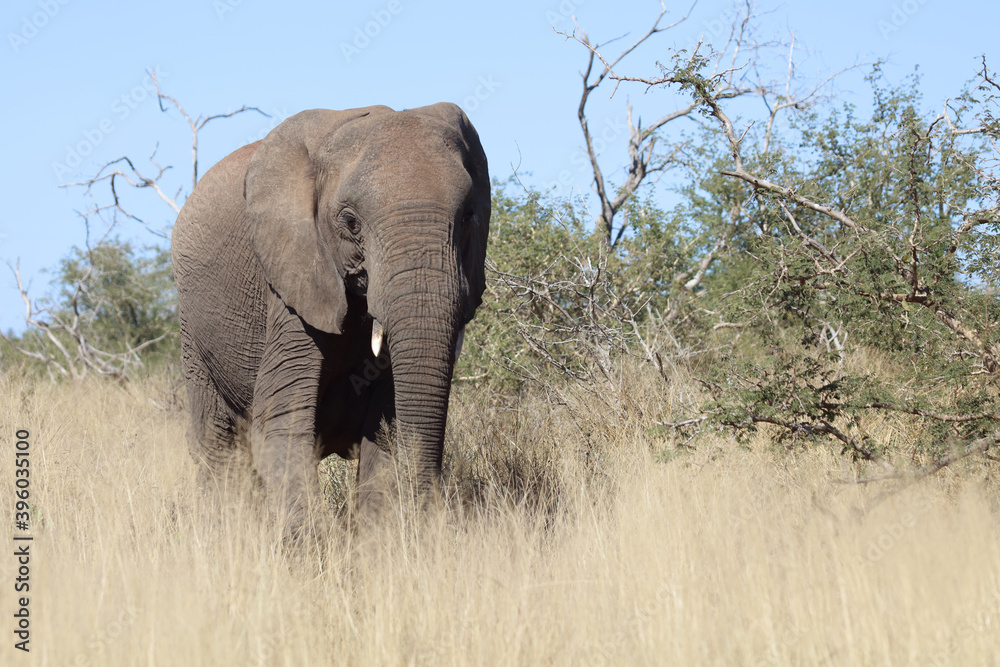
(75, 92)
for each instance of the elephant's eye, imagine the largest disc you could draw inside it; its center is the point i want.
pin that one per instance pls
(351, 221)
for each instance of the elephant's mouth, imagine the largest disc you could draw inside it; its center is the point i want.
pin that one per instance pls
(356, 281)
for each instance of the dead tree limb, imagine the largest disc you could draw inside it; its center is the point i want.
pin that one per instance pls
(64, 334)
(644, 158)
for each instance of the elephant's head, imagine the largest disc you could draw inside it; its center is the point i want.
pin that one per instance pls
(392, 206)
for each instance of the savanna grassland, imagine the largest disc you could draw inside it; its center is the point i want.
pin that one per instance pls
(566, 540)
(749, 423)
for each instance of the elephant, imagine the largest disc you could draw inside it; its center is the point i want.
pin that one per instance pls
(325, 275)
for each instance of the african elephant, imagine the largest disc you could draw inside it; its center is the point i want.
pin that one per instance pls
(295, 257)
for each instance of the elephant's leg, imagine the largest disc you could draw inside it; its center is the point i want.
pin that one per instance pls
(283, 432)
(376, 477)
(377, 473)
(212, 433)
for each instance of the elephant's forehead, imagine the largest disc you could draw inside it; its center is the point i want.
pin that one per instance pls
(391, 181)
(399, 152)
(403, 134)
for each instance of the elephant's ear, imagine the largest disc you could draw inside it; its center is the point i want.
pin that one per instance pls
(281, 196)
(475, 162)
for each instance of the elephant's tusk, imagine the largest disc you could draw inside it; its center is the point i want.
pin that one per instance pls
(458, 343)
(376, 337)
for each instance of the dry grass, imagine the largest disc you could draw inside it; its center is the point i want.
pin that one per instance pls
(565, 542)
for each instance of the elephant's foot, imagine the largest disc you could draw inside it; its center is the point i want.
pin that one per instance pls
(293, 501)
(389, 489)
(225, 485)
(378, 477)
(230, 475)
(304, 530)
(296, 509)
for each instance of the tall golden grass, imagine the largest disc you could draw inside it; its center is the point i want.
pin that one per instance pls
(567, 539)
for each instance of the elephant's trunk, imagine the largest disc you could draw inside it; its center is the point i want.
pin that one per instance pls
(422, 337)
(419, 293)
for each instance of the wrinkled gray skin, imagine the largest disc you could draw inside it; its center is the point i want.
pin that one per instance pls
(287, 252)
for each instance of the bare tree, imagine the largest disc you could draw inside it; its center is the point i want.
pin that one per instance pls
(648, 152)
(733, 72)
(123, 170)
(63, 336)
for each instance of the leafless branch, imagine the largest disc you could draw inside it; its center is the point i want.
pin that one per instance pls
(124, 170)
(196, 124)
(978, 446)
(66, 331)
(74, 354)
(821, 426)
(920, 412)
(642, 142)
(792, 100)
